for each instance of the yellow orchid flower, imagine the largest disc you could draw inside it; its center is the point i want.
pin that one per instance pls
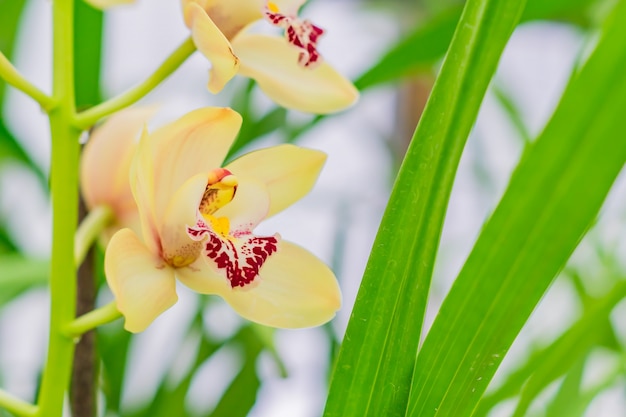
(105, 166)
(290, 70)
(197, 226)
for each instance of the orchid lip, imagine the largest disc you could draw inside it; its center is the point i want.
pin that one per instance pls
(239, 257)
(302, 34)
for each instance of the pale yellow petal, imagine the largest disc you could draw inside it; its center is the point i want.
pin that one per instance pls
(142, 187)
(249, 207)
(229, 16)
(104, 4)
(289, 172)
(144, 287)
(273, 63)
(178, 248)
(194, 144)
(106, 158)
(295, 290)
(212, 43)
(203, 277)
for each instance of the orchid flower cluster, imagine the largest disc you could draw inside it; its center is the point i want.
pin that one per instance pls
(170, 209)
(181, 216)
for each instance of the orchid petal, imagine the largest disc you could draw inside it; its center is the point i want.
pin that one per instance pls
(237, 259)
(273, 64)
(229, 16)
(194, 144)
(295, 290)
(178, 248)
(212, 43)
(142, 186)
(203, 277)
(248, 208)
(289, 172)
(144, 287)
(105, 163)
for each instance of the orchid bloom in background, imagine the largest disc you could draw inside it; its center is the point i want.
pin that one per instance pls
(105, 166)
(289, 70)
(197, 222)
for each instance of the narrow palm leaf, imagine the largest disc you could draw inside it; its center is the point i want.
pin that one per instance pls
(373, 372)
(552, 199)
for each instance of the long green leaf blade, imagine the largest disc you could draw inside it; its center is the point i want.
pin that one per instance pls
(88, 35)
(553, 197)
(372, 376)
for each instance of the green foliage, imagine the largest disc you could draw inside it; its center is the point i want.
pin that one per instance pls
(88, 50)
(9, 24)
(421, 49)
(373, 372)
(19, 274)
(10, 147)
(530, 236)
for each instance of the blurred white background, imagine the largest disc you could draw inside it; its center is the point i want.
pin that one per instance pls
(347, 202)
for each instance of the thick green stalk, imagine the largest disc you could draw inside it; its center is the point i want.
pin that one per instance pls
(64, 187)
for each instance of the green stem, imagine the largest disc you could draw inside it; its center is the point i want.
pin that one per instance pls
(89, 117)
(89, 229)
(12, 76)
(64, 189)
(16, 406)
(93, 319)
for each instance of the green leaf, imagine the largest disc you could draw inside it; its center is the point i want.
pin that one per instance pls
(417, 52)
(88, 50)
(552, 199)
(239, 397)
(510, 107)
(253, 128)
(579, 405)
(422, 48)
(6, 243)
(10, 19)
(113, 344)
(19, 273)
(375, 363)
(550, 363)
(170, 400)
(241, 394)
(566, 400)
(573, 10)
(10, 148)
